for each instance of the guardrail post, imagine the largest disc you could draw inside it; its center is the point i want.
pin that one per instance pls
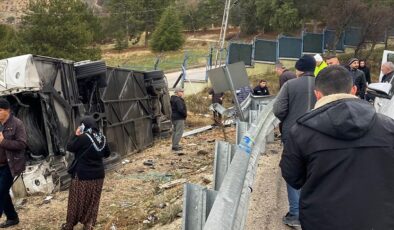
(224, 153)
(253, 114)
(271, 137)
(197, 204)
(241, 129)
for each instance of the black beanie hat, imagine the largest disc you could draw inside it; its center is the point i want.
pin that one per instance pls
(4, 104)
(306, 64)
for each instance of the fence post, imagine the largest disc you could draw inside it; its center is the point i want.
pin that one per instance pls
(224, 153)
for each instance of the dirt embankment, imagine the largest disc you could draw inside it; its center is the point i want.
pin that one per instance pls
(133, 195)
(134, 198)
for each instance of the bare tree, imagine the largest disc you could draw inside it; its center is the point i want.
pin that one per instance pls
(339, 14)
(374, 22)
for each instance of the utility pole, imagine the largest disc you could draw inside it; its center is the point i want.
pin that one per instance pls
(223, 31)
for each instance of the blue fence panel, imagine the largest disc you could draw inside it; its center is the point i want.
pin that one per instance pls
(313, 43)
(290, 47)
(353, 36)
(240, 52)
(329, 38)
(265, 50)
(390, 32)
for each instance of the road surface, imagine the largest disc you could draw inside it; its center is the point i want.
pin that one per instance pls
(268, 203)
(197, 74)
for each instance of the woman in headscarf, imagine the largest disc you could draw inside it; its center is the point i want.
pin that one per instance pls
(90, 147)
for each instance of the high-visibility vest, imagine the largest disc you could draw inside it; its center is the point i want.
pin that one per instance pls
(322, 65)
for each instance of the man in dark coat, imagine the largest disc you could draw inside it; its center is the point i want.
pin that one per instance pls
(13, 142)
(178, 117)
(363, 67)
(388, 71)
(261, 89)
(295, 99)
(284, 74)
(341, 155)
(358, 77)
(216, 98)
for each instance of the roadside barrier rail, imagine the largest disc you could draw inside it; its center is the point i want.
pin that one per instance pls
(235, 166)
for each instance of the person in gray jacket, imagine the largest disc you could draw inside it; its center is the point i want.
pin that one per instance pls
(295, 98)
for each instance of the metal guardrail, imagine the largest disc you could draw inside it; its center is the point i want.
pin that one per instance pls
(234, 172)
(224, 154)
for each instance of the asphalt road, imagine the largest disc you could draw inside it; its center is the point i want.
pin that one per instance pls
(268, 203)
(197, 74)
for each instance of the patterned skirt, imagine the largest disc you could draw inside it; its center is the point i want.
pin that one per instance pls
(83, 203)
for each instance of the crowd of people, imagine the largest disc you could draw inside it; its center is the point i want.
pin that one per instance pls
(337, 151)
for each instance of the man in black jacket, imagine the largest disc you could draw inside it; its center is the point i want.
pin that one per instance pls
(261, 89)
(216, 98)
(358, 77)
(341, 155)
(178, 117)
(363, 67)
(295, 99)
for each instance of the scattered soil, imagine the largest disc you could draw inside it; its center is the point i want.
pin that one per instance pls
(131, 197)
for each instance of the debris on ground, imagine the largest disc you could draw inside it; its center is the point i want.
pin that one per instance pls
(125, 161)
(202, 152)
(113, 227)
(47, 200)
(172, 184)
(207, 179)
(20, 202)
(180, 153)
(149, 163)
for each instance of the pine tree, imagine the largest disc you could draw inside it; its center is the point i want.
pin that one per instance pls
(60, 28)
(133, 18)
(248, 17)
(285, 18)
(8, 42)
(168, 34)
(123, 24)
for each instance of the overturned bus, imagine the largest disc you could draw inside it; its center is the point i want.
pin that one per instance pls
(51, 95)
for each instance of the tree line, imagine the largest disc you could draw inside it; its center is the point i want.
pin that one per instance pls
(70, 29)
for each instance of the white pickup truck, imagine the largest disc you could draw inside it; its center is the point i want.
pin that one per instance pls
(383, 92)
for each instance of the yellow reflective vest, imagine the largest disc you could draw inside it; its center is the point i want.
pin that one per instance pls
(322, 65)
